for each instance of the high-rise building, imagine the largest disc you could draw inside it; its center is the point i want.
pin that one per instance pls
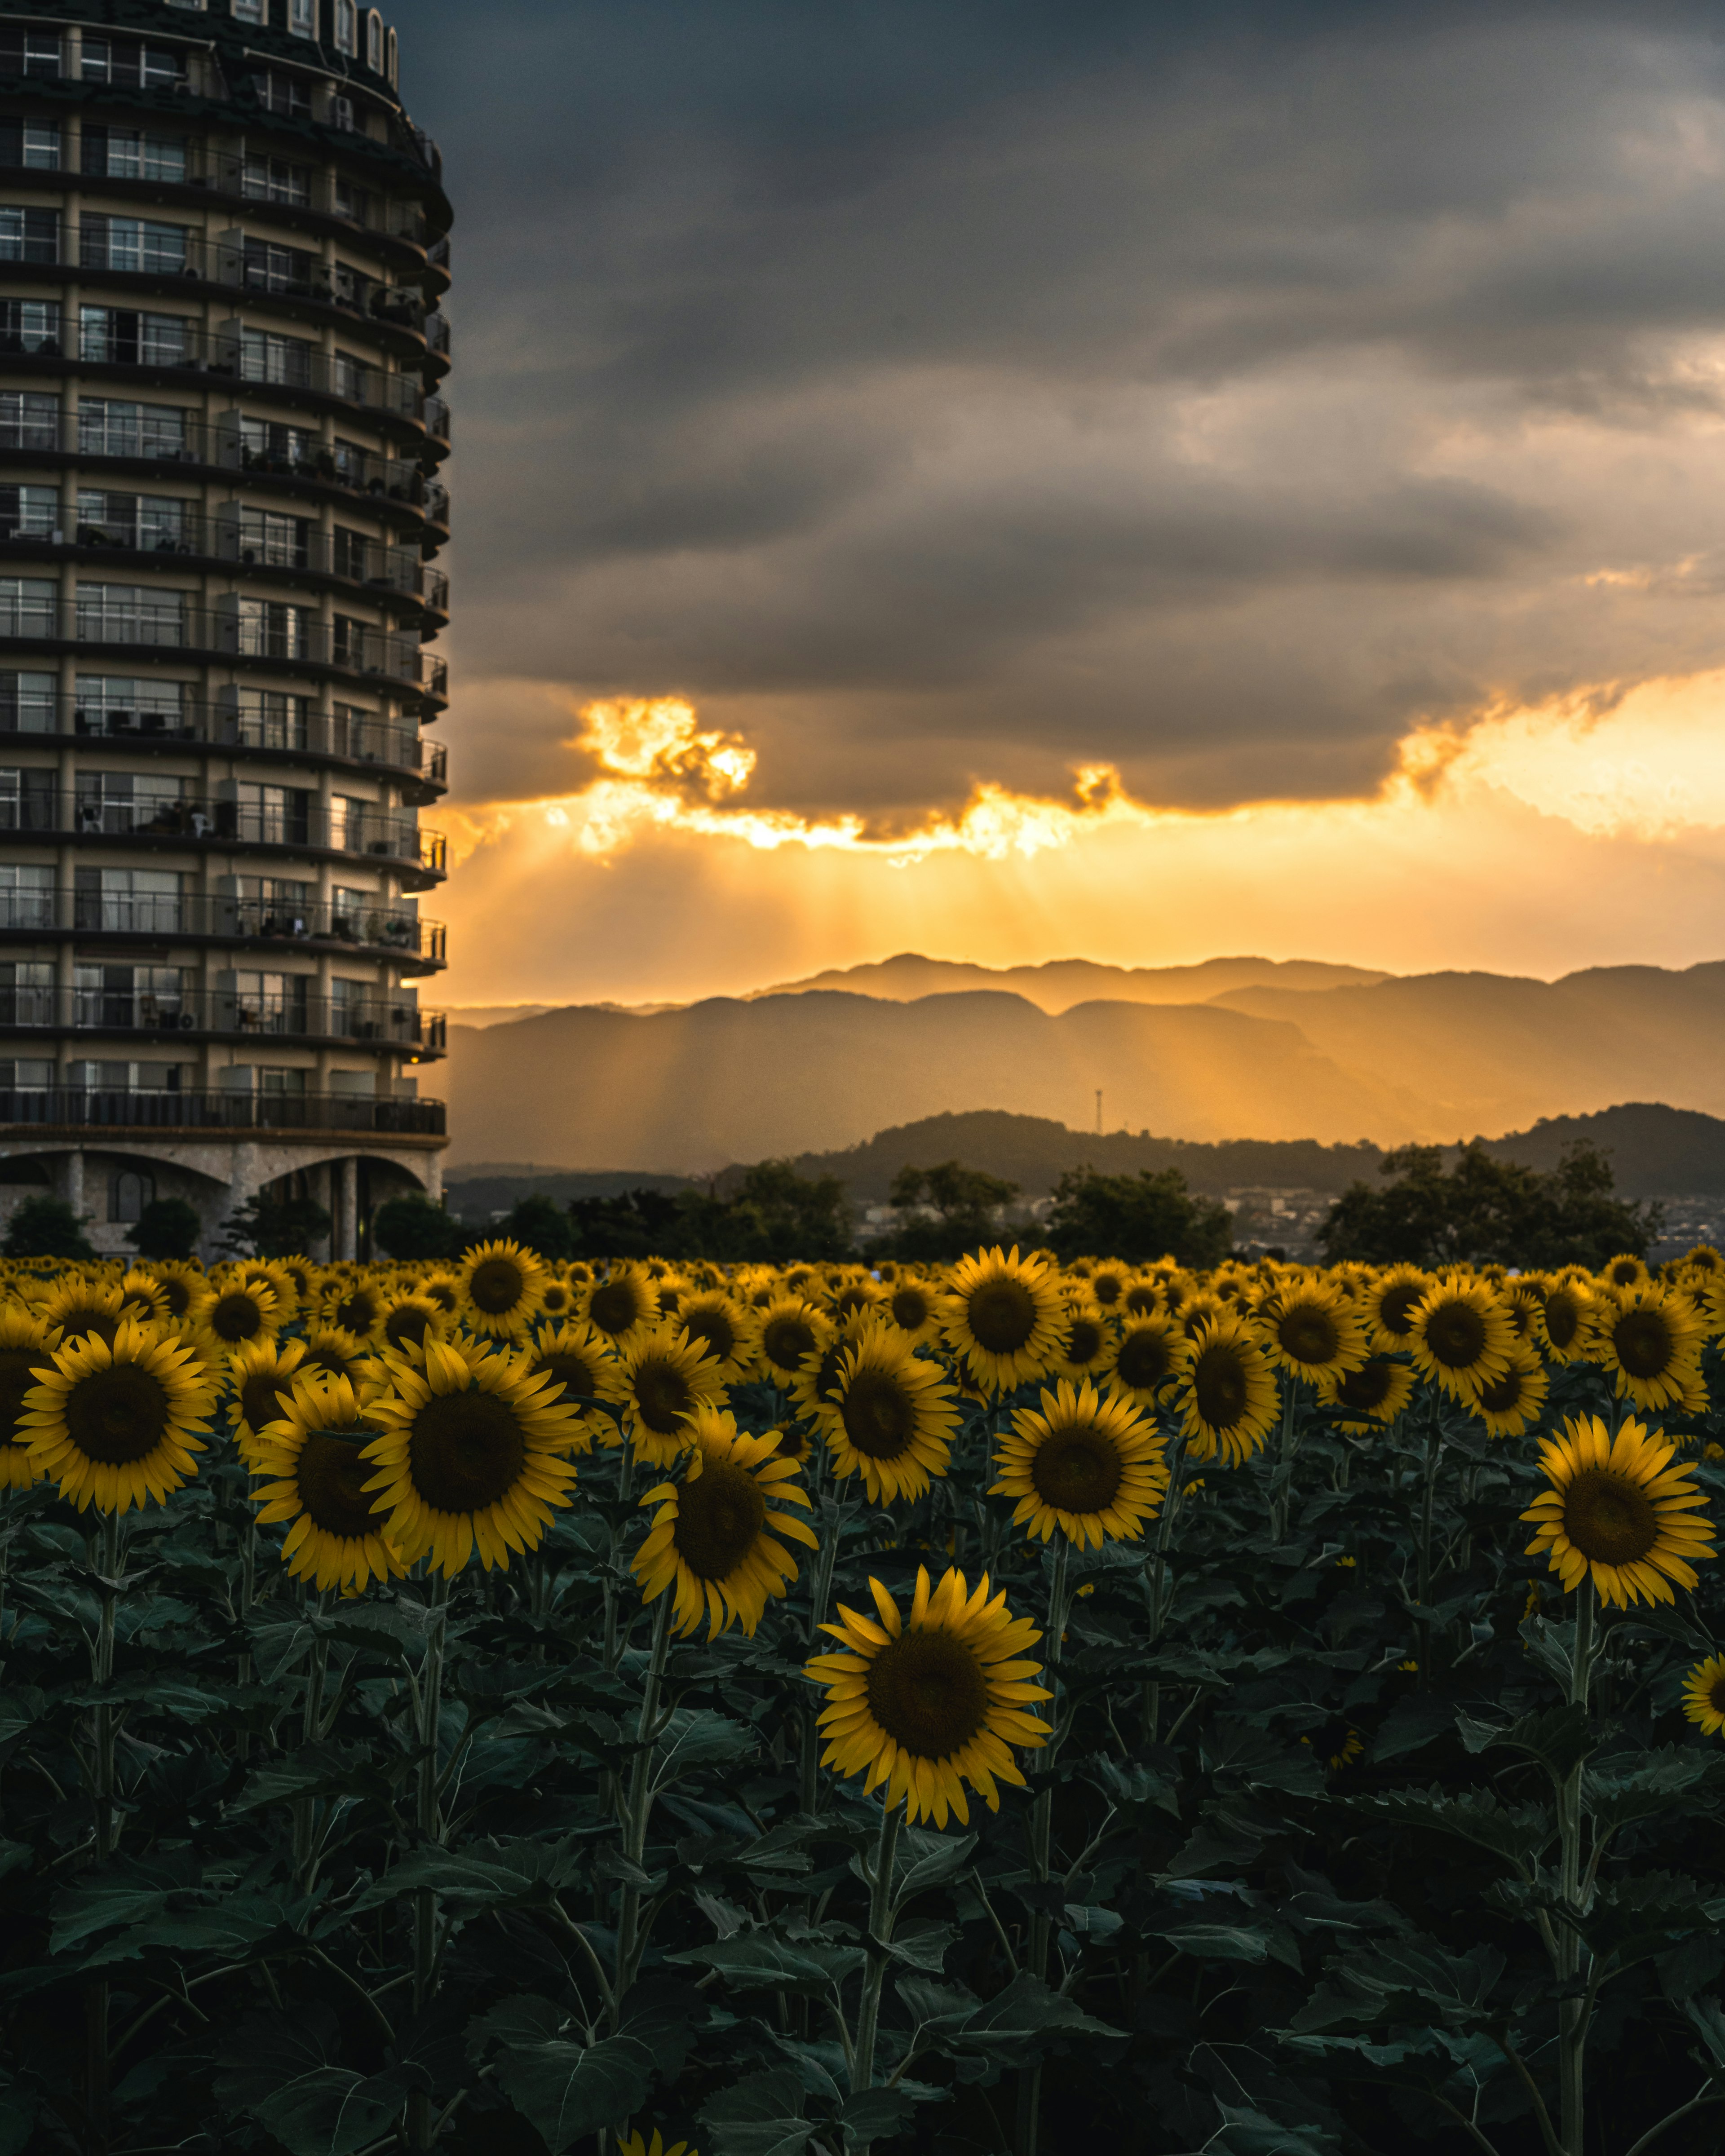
(222, 246)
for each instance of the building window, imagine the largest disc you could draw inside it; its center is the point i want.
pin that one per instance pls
(137, 246)
(268, 268)
(271, 718)
(131, 614)
(267, 539)
(30, 325)
(392, 62)
(348, 26)
(27, 702)
(116, 707)
(273, 815)
(129, 1192)
(249, 11)
(29, 606)
(108, 427)
(144, 523)
(271, 628)
(302, 17)
(131, 63)
(277, 180)
(119, 801)
(129, 901)
(29, 419)
(123, 153)
(272, 446)
(28, 235)
(127, 336)
(32, 144)
(26, 896)
(266, 356)
(282, 93)
(29, 512)
(31, 52)
(374, 41)
(27, 993)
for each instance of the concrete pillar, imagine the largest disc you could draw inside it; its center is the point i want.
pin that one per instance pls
(434, 1177)
(72, 1180)
(347, 1209)
(321, 1190)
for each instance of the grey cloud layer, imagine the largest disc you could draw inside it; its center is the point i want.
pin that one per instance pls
(1022, 385)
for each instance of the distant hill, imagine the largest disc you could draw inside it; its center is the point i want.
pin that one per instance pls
(1655, 1152)
(687, 1091)
(1062, 982)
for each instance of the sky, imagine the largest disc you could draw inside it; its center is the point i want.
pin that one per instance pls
(1020, 481)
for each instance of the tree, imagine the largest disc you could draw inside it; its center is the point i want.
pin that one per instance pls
(275, 1228)
(639, 1224)
(1136, 1217)
(782, 1215)
(412, 1227)
(540, 1224)
(166, 1228)
(45, 1227)
(1484, 1211)
(964, 1198)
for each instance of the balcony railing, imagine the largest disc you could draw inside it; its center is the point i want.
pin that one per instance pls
(340, 735)
(160, 917)
(189, 821)
(163, 438)
(219, 633)
(375, 1021)
(293, 545)
(156, 248)
(79, 1108)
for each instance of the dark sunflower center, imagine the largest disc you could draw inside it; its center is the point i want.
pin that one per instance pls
(179, 1296)
(1002, 1315)
(19, 1369)
(1502, 1395)
(662, 1396)
(1644, 1343)
(1218, 1386)
(1455, 1335)
(465, 1452)
(572, 1374)
(1141, 1300)
(264, 1398)
(1077, 1471)
(852, 1300)
(557, 1299)
(1563, 1318)
(1366, 1387)
(331, 1477)
(1611, 1520)
(1624, 1273)
(89, 1325)
(616, 1308)
(880, 1415)
(331, 1359)
(793, 1441)
(443, 1295)
(1716, 1694)
(236, 1317)
(786, 1341)
(406, 1324)
(1084, 1340)
(118, 1414)
(826, 1371)
(1395, 1311)
(1144, 1359)
(497, 1286)
(712, 1330)
(1308, 1335)
(356, 1313)
(928, 1692)
(1107, 1289)
(670, 1301)
(909, 1309)
(719, 1517)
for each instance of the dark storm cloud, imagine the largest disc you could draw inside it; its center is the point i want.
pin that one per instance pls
(1216, 393)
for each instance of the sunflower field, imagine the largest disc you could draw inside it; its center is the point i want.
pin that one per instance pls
(505, 1707)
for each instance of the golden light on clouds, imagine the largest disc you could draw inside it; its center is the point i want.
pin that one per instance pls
(1536, 840)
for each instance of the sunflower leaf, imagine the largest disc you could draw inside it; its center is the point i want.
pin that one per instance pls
(762, 2115)
(568, 2091)
(927, 1860)
(1560, 1738)
(695, 1737)
(755, 1960)
(288, 2077)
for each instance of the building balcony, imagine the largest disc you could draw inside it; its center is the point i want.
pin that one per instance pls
(155, 818)
(163, 442)
(281, 638)
(164, 532)
(43, 1111)
(339, 737)
(374, 1022)
(306, 925)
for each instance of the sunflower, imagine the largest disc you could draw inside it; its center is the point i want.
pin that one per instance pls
(857, 1297)
(1003, 1317)
(914, 1307)
(262, 1373)
(268, 1273)
(635, 2144)
(1510, 1405)
(1085, 1347)
(1566, 1320)
(1084, 1463)
(659, 1382)
(575, 1358)
(623, 1305)
(791, 1332)
(1108, 1284)
(225, 1317)
(1704, 1695)
(1617, 1508)
(928, 1702)
(114, 1425)
(1144, 1298)
(443, 1288)
(502, 1286)
(1389, 1305)
(1228, 1400)
(815, 1389)
(313, 1470)
(343, 1355)
(1625, 1272)
(1315, 1333)
(409, 1320)
(795, 1441)
(723, 1328)
(181, 1281)
(557, 1299)
(471, 1456)
(893, 1419)
(711, 1539)
(1461, 1336)
(143, 1297)
(1198, 1309)
(1150, 1353)
(1378, 1391)
(27, 1346)
(1651, 1340)
(82, 1309)
(354, 1305)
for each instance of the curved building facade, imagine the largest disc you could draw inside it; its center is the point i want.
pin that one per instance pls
(223, 247)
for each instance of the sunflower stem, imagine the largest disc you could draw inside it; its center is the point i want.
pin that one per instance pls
(1573, 2012)
(630, 1939)
(820, 1594)
(1434, 1448)
(1158, 1580)
(882, 1913)
(310, 1730)
(429, 1824)
(1282, 1484)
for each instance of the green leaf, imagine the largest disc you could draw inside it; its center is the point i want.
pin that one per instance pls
(695, 1737)
(1001, 2026)
(1709, 2024)
(1559, 1738)
(1411, 1724)
(923, 1944)
(756, 1959)
(1246, 1754)
(320, 1770)
(1399, 1980)
(663, 2013)
(1222, 1841)
(287, 2074)
(1215, 1942)
(926, 1860)
(486, 1876)
(20, 1707)
(874, 2114)
(1518, 1836)
(762, 2115)
(568, 2091)
(18, 2115)
(124, 1891)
